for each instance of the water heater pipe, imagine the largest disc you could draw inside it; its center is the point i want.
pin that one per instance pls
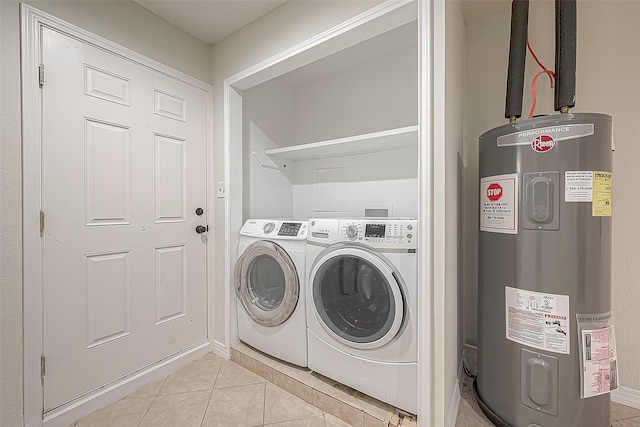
(517, 56)
(565, 88)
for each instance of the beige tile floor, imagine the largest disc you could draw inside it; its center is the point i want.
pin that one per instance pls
(215, 392)
(211, 392)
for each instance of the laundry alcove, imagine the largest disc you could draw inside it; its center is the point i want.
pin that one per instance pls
(329, 128)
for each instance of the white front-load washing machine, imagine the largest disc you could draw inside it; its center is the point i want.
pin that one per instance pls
(362, 306)
(269, 283)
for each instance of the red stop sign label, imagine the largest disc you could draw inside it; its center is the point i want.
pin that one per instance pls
(494, 192)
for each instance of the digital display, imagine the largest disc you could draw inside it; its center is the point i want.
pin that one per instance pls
(375, 230)
(289, 229)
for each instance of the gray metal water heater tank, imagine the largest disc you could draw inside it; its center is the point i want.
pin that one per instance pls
(544, 261)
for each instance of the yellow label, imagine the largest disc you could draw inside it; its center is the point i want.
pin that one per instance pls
(602, 186)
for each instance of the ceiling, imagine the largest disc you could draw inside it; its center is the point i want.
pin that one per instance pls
(210, 20)
(213, 20)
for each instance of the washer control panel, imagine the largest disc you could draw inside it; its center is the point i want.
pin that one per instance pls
(378, 233)
(275, 229)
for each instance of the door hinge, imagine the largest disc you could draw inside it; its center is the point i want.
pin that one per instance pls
(42, 366)
(41, 222)
(41, 74)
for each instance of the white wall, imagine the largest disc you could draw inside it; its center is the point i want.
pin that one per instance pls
(268, 192)
(125, 23)
(268, 122)
(448, 75)
(132, 26)
(350, 184)
(376, 95)
(10, 219)
(288, 25)
(607, 82)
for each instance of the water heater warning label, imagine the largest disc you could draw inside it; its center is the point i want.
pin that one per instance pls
(599, 361)
(589, 186)
(537, 319)
(578, 186)
(602, 188)
(499, 204)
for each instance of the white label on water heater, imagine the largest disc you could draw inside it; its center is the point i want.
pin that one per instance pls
(599, 361)
(538, 320)
(578, 186)
(499, 204)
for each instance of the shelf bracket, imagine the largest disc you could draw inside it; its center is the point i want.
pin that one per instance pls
(262, 164)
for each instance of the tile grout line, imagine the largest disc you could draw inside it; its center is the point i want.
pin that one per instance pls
(213, 387)
(155, 396)
(264, 402)
(633, 417)
(204, 414)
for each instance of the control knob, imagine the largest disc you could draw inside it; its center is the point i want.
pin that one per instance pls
(268, 227)
(352, 232)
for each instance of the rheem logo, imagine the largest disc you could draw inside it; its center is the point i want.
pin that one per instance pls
(543, 143)
(494, 192)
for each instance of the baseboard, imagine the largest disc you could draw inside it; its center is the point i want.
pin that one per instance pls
(455, 401)
(70, 413)
(626, 396)
(222, 350)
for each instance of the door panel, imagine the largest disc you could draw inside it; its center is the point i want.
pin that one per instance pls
(123, 173)
(357, 298)
(267, 283)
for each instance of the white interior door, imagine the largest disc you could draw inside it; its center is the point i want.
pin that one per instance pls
(124, 171)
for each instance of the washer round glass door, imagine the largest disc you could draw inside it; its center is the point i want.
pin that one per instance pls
(266, 283)
(357, 297)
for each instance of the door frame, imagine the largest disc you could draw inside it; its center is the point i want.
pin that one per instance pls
(31, 20)
(363, 26)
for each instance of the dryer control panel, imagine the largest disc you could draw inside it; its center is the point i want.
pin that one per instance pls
(382, 233)
(275, 229)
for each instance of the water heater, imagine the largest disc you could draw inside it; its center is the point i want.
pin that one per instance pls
(546, 349)
(544, 270)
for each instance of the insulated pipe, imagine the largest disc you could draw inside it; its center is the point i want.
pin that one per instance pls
(565, 91)
(517, 56)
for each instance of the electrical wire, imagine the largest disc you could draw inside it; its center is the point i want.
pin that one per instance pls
(533, 89)
(466, 370)
(546, 71)
(534, 55)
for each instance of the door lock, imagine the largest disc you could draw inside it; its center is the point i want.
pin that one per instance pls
(202, 229)
(199, 211)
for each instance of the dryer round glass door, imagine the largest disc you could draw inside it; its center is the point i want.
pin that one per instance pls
(266, 283)
(357, 297)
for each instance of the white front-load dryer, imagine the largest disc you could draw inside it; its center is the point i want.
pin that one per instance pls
(269, 282)
(362, 306)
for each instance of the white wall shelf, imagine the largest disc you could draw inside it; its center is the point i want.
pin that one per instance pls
(392, 139)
